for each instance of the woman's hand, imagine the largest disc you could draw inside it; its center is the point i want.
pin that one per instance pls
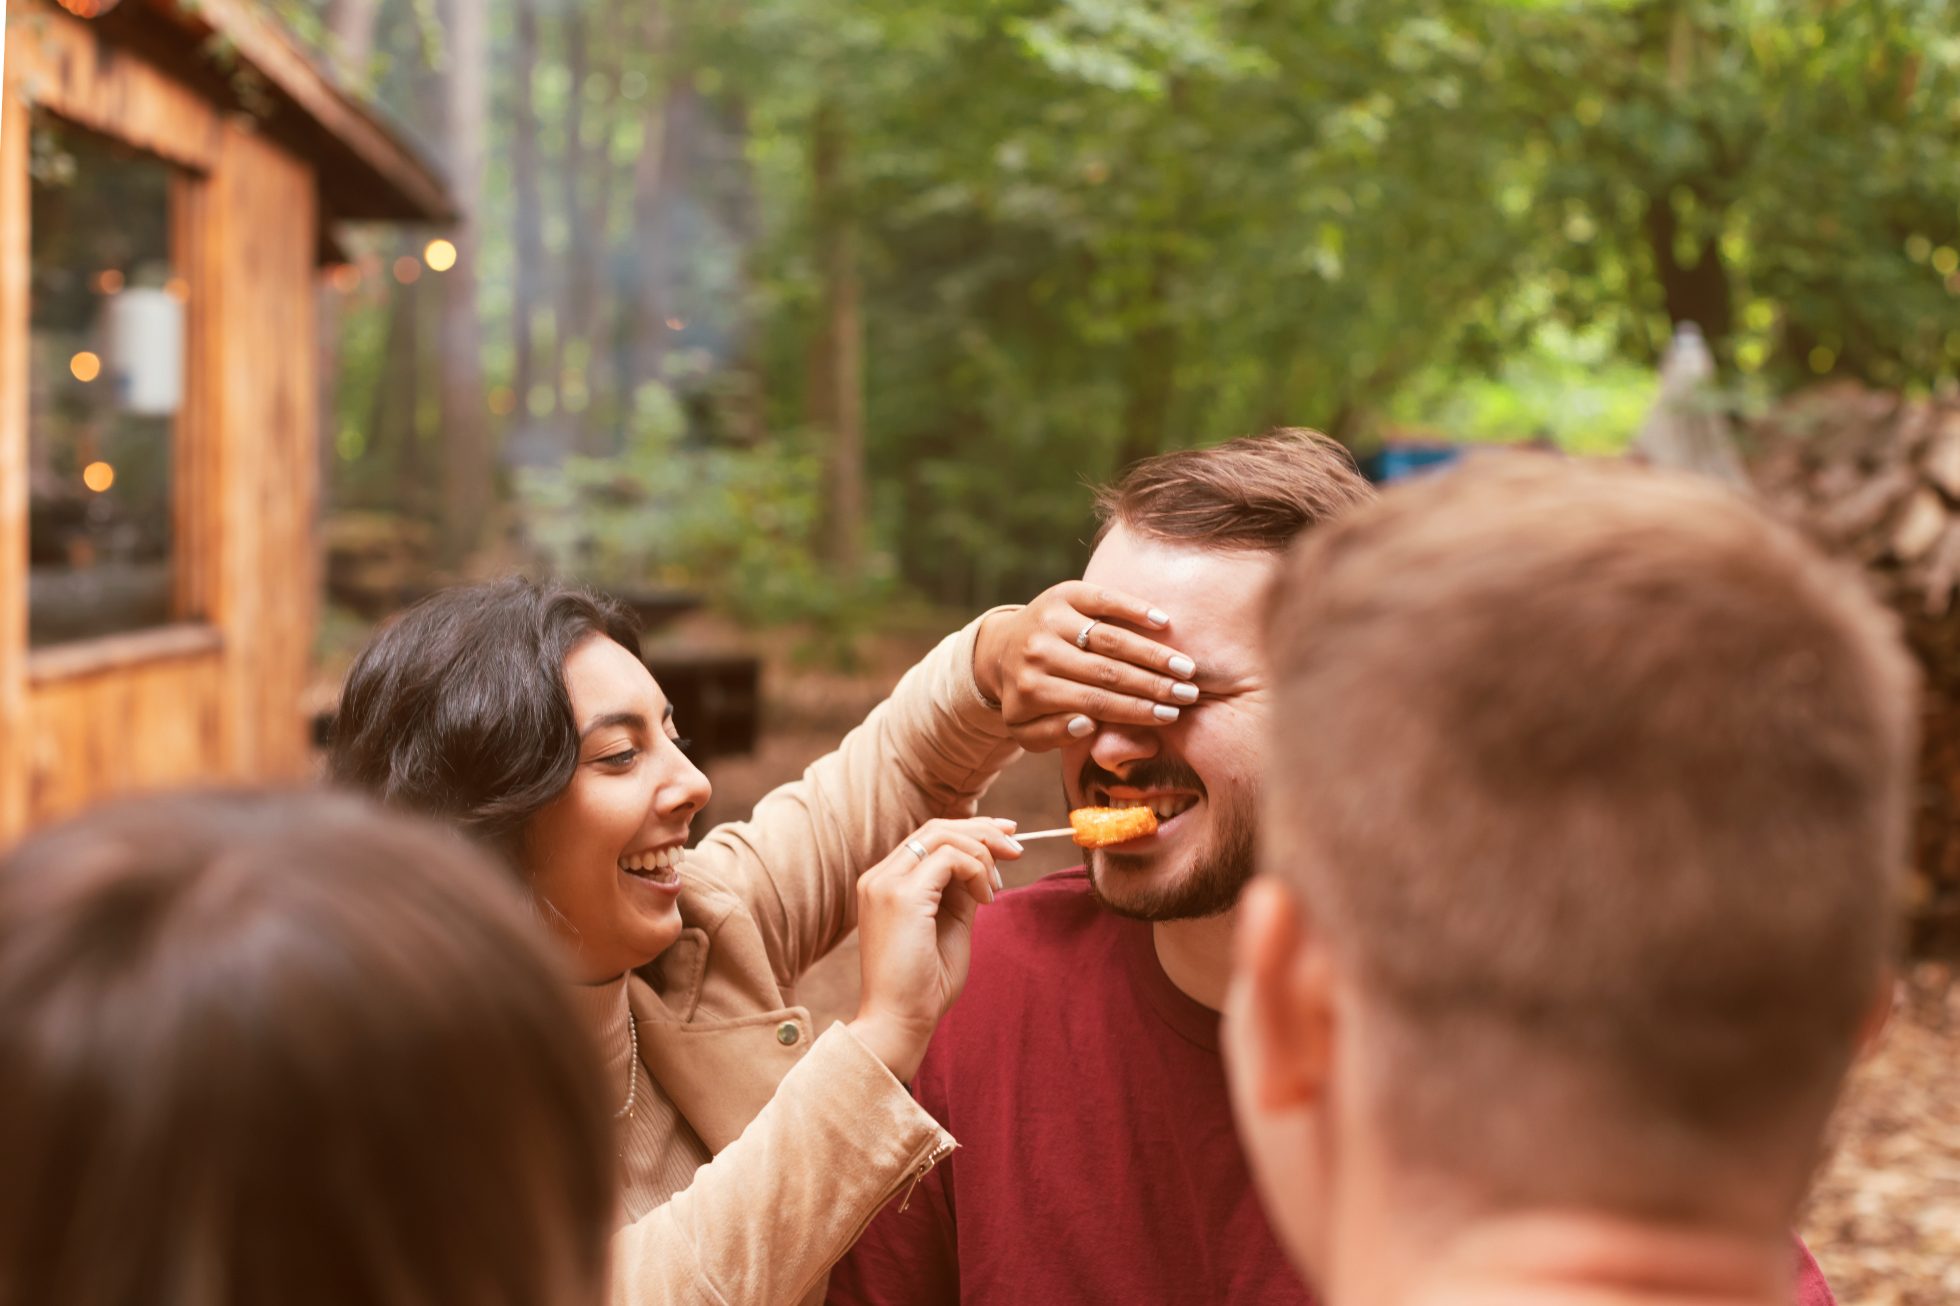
(915, 932)
(1051, 690)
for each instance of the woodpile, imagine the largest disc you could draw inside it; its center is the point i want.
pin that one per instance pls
(1875, 477)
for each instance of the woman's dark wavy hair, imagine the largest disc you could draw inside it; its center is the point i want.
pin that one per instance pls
(458, 710)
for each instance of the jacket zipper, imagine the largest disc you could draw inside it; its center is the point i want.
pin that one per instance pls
(920, 1171)
(938, 1152)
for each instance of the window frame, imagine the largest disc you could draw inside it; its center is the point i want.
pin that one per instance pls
(192, 627)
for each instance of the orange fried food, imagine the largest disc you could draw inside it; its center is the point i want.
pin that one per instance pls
(1098, 827)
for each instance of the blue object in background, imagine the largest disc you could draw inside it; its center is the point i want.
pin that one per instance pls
(1396, 461)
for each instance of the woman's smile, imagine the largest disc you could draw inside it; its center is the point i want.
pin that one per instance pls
(604, 857)
(658, 869)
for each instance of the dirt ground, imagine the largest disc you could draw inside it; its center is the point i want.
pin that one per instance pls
(1884, 1220)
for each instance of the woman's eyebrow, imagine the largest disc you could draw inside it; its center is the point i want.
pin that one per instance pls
(630, 719)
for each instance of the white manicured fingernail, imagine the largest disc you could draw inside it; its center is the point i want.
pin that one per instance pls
(1158, 617)
(1184, 693)
(1183, 666)
(998, 882)
(1080, 726)
(1015, 844)
(1165, 713)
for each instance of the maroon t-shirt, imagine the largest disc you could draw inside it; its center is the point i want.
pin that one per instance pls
(1097, 1158)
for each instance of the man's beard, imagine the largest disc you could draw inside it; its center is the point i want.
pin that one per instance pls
(1219, 870)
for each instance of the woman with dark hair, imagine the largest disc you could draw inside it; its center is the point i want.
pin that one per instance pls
(752, 1151)
(227, 1016)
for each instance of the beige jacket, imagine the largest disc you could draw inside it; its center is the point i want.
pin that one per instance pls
(811, 1136)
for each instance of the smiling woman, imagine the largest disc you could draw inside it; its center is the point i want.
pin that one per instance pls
(605, 853)
(523, 714)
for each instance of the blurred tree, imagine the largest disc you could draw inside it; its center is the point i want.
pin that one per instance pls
(964, 256)
(468, 463)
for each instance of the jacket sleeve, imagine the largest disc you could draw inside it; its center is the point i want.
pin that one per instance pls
(764, 1221)
(930, 750)
(909, 1254)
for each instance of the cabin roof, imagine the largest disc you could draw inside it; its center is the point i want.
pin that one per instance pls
(234, 52)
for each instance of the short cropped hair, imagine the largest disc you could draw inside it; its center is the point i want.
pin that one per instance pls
(288, 1048)
(1597, 780)
(458, 709)
(1252, 494)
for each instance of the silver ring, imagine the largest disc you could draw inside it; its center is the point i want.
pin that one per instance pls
(1082, 640)
(916, 848)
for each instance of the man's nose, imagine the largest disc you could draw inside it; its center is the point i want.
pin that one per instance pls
(1113, 747)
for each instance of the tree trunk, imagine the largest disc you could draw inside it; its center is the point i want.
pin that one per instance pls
(467, 474)
(350, 33)
(1149, 381)
(1150, 371)
(393, 434)
(836, 381)
(1697, 292)
(576, 284)
(528, 279)
(746, 415)
(598, 311)
(659, 305)
(644, 348)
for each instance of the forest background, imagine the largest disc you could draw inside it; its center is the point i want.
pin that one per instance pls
(807, 305)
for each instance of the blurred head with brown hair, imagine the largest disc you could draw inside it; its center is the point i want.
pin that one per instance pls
(1201, 531)
(287, 1049)
(1587, 793)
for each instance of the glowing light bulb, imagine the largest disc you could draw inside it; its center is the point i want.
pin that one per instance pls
(440, 255)
(98, 476)
(85, 366)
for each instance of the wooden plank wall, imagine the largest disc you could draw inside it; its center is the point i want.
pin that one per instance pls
(120, 730)
(247, 455)
(14, 285)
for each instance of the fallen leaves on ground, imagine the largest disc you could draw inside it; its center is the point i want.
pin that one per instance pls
(1884, 1220)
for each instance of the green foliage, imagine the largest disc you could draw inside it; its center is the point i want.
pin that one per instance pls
(1089, 230)
(738, 524)
(1572, 391)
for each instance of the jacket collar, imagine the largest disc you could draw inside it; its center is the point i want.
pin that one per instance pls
(708, 1028)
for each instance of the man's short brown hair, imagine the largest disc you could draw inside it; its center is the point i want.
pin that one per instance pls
(1255, 493)
(1596, 781)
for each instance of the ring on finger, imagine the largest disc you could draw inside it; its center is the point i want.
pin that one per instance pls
(916, 848)
(1082, 637)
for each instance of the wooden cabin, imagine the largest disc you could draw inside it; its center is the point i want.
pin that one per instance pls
(171, 172)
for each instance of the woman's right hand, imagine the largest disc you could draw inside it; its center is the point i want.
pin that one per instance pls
(1061, 665)
(915, 932)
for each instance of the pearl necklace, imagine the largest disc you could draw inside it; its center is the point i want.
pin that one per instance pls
(632, 1066)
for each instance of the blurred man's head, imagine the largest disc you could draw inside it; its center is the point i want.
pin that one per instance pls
(1579, 836)
(1201, 532)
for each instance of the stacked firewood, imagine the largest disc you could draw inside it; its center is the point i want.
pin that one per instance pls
(1875, 477)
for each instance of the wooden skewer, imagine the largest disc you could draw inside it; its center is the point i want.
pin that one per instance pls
(1045, 834)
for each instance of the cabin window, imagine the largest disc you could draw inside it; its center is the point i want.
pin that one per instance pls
(107, 374)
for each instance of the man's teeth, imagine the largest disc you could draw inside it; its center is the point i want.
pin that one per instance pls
(1166, 807)
(661, 860)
